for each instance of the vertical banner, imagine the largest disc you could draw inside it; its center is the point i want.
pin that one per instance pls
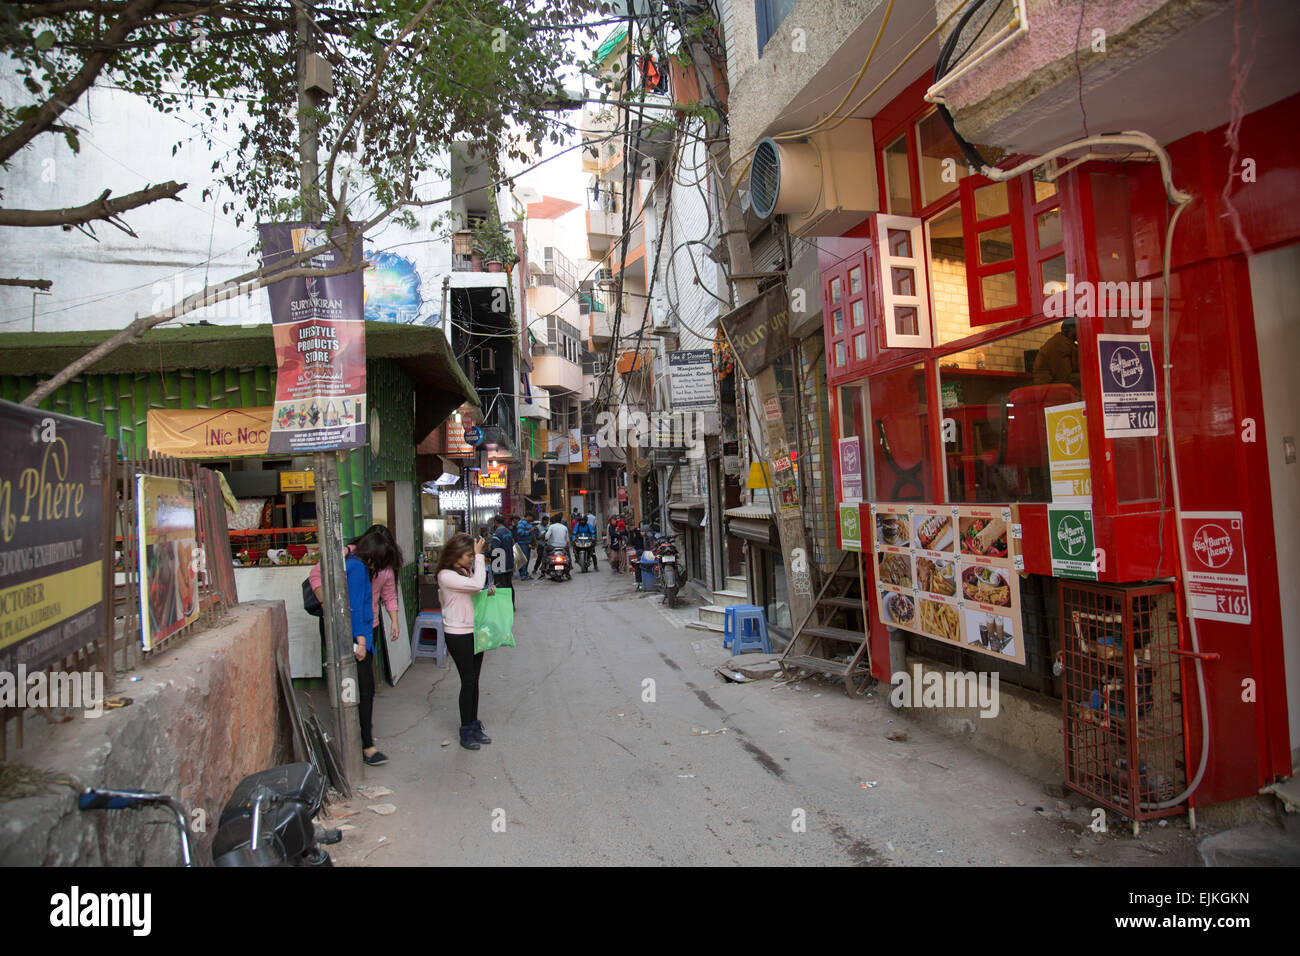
(169, 581)
(51, 536)
(850, 527)
(1128, 386)
(850, 469)
(1217, 580)
(1067, 452)
(320, 346)
(593, 452)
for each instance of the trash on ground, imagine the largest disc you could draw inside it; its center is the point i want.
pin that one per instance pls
(345, 827)
(700, 732)
(867, 785)
(374, 793)
(446, 743)
(686, 776)
(899, 735)
(383, 809)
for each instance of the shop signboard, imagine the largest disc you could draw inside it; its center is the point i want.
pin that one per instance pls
(1074, 553)
(457, 447)
(473, 435)
(209, 432)
(493, 476)
(949, 572)
(1128, 386)
(51, 536)
(297, 481)
(622, 494)
(784, 485)
(850, 527)
(320, 346)
(1067, 453)
(759, 330)
(850, 469)
(690, 378)
(169, 581)
(1216, 576)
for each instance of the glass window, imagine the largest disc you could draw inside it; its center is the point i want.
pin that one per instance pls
(836, 292)
(857, 312)
(900, 456)
(991, 201)
(941, 160)
(998, 291)
(951, 312)
(841, 355)
(995, 446)
(855, 280)
(995, 245)
(837, 321)
(770, 14)
(898, 184)
(1049, 226)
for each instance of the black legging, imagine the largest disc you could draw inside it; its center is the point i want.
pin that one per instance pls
(468, 665)
(366, 688)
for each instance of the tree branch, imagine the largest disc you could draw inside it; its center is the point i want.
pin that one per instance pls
(53, 107)
(100, 208)
(45, 284)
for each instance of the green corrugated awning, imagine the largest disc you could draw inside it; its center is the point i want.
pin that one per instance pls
(611, 44)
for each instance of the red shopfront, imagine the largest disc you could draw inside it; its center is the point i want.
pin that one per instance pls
(935, 313)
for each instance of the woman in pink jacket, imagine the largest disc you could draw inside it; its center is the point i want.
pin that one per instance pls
(461, 574)
(383, 586)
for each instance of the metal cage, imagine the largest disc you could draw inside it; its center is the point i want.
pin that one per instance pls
(1122, 697)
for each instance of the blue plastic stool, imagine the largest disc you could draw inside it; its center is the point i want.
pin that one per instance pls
(428, 621)
(729, 621)
(745, 637)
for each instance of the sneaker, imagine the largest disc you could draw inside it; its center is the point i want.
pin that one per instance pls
(375, 759)
(476, 731)
(467, 738)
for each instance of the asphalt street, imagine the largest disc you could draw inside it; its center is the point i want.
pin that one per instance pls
(588, 766)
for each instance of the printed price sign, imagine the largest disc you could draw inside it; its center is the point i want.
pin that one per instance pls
(850, 527)
(1128, 385)
(1217, 580)
(1067, 452)
(1073, 548)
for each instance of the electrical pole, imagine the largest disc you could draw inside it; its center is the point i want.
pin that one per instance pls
(342, 664)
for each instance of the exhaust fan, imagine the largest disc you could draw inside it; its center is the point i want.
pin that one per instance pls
(826, 183)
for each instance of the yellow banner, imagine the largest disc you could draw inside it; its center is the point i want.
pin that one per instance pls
(33, 606)
(297, 481)
(209, 432)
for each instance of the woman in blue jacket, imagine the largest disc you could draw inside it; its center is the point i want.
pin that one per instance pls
(371, 555)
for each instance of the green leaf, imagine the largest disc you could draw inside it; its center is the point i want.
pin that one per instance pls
(44, 40)
(70, 136)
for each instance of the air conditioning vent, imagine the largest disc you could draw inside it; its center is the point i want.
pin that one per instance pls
(826, 184)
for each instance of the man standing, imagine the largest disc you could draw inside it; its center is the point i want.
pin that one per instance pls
(1058, 359)
(503, 556)
(524, 537)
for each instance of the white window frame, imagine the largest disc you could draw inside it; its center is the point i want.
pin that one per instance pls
(918, 262)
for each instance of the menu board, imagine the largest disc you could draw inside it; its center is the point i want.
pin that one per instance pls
(949, 572)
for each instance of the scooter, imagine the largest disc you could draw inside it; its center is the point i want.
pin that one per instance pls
(668, 572)
(558, 566)
(268, 821)
(585, 546)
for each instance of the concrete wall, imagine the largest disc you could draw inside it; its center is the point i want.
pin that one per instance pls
(204, 716)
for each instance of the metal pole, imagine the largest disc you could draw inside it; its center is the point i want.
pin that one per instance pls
(342, 665)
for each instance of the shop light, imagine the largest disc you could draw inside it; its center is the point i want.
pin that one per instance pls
(458, 500)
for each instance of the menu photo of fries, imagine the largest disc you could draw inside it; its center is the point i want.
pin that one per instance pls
(940, 620)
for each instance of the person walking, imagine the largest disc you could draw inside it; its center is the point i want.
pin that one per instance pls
(540, 534)
(524, 538)
(503, 556)
(461, 574)
(617, 546)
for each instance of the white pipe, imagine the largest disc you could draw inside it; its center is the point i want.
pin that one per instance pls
(1018, 27)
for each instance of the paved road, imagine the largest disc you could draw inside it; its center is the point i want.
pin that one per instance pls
(584, 771)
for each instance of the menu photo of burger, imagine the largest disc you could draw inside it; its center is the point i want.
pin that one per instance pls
(893, 529)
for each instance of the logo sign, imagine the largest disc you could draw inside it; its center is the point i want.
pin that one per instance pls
(850, 469)
(1072, 542)
(1217, 580)
(473, 436)
(493, 476)
(850, 527)
(320, 345)
(51, 536)
(1067, 452)
(297, 481)
(209, 433)
(1128, 386)
(759, 330)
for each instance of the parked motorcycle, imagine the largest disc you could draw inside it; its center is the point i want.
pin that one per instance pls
(668, 571)
(268, 821)
(585, 547)
(558, 565)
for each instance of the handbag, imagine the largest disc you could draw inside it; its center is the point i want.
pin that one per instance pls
(494, 620)
(311, 603)
(520, 557)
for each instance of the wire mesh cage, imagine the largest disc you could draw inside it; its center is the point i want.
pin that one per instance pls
(1124, 742)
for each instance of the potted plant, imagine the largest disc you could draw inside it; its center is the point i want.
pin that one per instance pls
(494, 243)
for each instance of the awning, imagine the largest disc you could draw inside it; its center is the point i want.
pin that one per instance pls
(687, 511)
(754, 523)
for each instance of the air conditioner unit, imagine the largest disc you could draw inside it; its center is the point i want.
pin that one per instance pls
(605, 275)
(825, 183)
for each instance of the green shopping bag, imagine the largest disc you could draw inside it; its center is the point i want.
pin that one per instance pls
(494, 620)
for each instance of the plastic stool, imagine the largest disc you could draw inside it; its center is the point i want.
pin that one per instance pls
(729, 621)
(745, 638)
(428, 621)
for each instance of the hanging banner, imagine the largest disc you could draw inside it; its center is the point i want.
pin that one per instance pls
(850, 469)
(51, 536)
(690, 379)
(759, 330)
(169, 581)
(457, 447)
(493, 476)
(209, 433)
(593, 452)
(1074, 553)
(320, 346)
(1067, 452)
(850, 527)
(949, 572)
(1217, 580)
(1128, 386)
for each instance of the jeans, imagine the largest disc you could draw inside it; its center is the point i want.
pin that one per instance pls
(468, 665)
(504, 581)
(366, 692)
(542, 551)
